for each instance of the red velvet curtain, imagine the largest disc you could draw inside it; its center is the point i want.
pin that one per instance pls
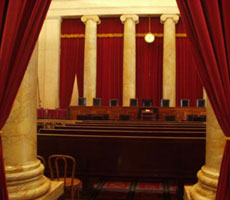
(72, 59)
(207, 24)
(149, 57)
(20, 24)
(109, 61)
(188, 84)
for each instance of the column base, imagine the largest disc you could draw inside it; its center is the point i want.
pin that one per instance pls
(55, 191)
(26, 182)
(205, 188)
(187, 190)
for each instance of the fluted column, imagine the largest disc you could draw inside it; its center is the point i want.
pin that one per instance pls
(129, 57)
(205, 188)
(90, 59)
(24, 173)
(169, 58)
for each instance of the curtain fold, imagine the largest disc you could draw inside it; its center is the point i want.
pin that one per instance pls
(207, 24)
(109, 61)
(20, 24)
(188, 84)
(72, 60)
(149, 62)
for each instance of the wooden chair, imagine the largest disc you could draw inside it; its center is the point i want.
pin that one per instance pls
(42, 159)
(59, 166)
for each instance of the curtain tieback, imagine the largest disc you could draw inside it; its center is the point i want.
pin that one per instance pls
(227, 138)
(1, 132)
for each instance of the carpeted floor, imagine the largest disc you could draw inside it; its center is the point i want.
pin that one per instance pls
(113, 190)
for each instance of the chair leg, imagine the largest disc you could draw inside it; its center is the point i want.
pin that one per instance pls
(72, 194)
(73, 191)
(78, 194)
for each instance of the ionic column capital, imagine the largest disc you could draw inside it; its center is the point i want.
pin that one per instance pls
(94, 18)
(164, 18)
(135, 18)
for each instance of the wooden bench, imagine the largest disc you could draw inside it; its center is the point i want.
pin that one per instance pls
(144, 156)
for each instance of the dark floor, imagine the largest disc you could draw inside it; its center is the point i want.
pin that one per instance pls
(116, 190)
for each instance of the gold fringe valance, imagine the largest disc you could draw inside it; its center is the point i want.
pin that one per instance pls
(109, 35)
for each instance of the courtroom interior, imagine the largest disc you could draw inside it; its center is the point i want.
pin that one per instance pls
(112, 88)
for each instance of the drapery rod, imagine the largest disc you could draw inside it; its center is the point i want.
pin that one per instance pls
(107, 35)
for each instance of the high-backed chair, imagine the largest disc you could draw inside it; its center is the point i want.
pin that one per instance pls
(62, 168)
(133, 102)
(200, 103)
(82, 101)
(113, 102)
(147, 102)
(184, 103)
(96, 101)
(165, 102)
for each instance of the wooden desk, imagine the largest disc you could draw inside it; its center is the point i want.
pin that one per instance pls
(134, 112)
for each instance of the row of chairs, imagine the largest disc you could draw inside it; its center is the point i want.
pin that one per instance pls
(63, 168)
(145, 102)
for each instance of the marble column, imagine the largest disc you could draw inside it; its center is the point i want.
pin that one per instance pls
(129, 57)
(24, 173)
(90, 58)
(169, 58)
(205, 188)
(49, 62)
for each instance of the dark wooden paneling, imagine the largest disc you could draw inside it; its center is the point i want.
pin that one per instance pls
(134, 112)
(136, 156)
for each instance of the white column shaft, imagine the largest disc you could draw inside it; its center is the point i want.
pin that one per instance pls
(169, 58)
(48, 63)
(90, 58)
(129, 58)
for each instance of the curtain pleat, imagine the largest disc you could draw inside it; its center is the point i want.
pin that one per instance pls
(207, 24)
(20, 25)
(149, 62)
(109, 61)
(188, 84)
(72, 60)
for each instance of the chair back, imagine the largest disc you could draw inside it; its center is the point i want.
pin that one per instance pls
(62, 167)
(82, 101)
(42, 159)
(184, 103)
(200, 103)
(165, 102)
(147, 102)
(113, 102)
(133, 102)
(96, 101)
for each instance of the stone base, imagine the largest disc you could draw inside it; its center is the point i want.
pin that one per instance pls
(55, 191)
(187, 192)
